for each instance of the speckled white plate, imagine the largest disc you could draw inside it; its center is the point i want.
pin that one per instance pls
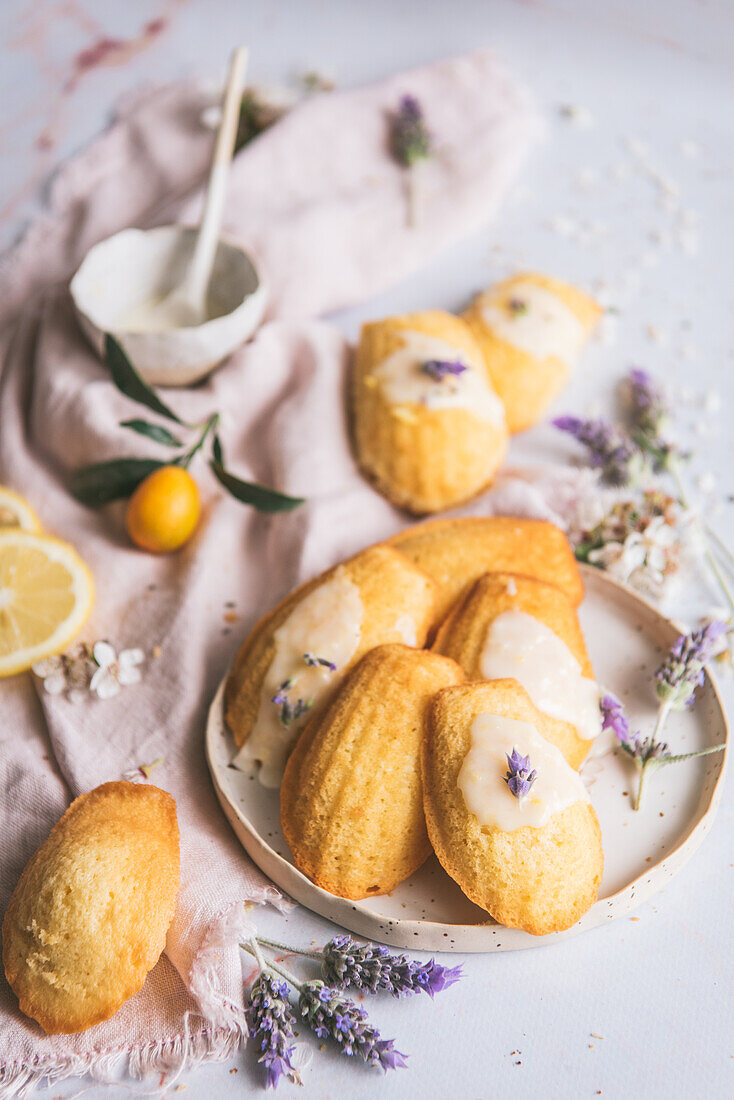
(626, 637)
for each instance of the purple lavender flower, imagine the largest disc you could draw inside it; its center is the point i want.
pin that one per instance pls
(409, 137)
(314, 662)
(517, 306)
(613, 718)
(330, 1014)
(648, 405)
(289, 711)
(519, 777)
(270, 1021)
(610, 449)
(438, 369)
(682, 670)
(372, 967)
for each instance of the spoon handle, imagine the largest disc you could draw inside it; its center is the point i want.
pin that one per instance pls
(205, 249)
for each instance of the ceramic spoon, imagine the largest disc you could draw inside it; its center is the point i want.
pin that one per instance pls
(185, 305)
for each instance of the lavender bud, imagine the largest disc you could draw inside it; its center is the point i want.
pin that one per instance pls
(682, 670)
(519, 777)
(409, 138)
(438, 369)
(270, 1021)
(373, 968)
(331, 1015)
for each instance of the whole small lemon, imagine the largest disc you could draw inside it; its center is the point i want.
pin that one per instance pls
(164, 510)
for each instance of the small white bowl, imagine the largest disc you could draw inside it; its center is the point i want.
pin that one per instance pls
(136, 266)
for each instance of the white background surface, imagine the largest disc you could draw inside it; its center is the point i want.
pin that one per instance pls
(656, 986)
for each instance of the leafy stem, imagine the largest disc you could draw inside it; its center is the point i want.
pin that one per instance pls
(103, 482)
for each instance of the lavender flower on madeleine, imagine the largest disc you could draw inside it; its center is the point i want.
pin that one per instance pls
(410, 140)
(372, 967)
(289, 711)
(610, 449)
(318, 662)
(682, 670)
(438, 369)
(519, 777)
(331, 1015)
(270, 1021)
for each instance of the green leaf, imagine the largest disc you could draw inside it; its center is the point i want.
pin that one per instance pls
(218, 450)
(129, 382)
(153, 431)
(248, 492)
(106, 481)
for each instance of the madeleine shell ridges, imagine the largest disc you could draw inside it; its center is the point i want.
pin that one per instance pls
(89, 916)
(456, 552)
(462, 634)
(540, 880)
(351, 799)
(423, 460)
(390, 586)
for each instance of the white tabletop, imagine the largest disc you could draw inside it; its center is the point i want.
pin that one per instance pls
(631, 197)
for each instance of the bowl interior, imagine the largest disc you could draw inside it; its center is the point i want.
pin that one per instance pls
(136, 266)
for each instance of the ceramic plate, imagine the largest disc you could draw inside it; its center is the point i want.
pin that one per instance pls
(626, 637)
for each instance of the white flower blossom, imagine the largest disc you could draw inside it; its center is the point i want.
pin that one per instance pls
(114, 672)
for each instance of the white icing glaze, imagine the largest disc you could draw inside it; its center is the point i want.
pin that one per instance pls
(327, 623)
(545, 327)
(403, 382)
(520, 647)
(482, 776)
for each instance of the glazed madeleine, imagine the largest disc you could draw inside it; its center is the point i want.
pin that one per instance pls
(509, 626)
(429, 430)
(295, 658)
(89, 916)
(456, 552)
(532, 330)
(351, 801)
(533, 862)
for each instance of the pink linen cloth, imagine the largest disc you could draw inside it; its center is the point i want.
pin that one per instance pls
(319, 201)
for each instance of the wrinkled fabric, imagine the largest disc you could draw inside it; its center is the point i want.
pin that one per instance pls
(323, 208)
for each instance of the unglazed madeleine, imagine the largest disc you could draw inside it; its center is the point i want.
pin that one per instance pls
(540, 879)
(89, 916)
(456, 552)
(498, 599)
(377, 597)
(351, 801)
(429, 437)
(531, 330)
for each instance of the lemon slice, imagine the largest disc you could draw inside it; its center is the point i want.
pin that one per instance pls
(15, 512)
(46, 594)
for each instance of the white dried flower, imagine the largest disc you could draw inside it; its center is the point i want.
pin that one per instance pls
(114, 672)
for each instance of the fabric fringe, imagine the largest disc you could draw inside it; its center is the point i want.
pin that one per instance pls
(219, 1032)
(183, 1052)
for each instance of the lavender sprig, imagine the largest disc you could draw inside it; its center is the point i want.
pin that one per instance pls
(438, 369)
(519, 777)
(410, 140)
(270, 1019)
(676, 681)
(329, 1014)
(682, 670)
(647, 403)
(410, 143)
(372, 967)
(610, 449)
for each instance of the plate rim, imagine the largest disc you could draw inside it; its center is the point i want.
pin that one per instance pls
(331, 906)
